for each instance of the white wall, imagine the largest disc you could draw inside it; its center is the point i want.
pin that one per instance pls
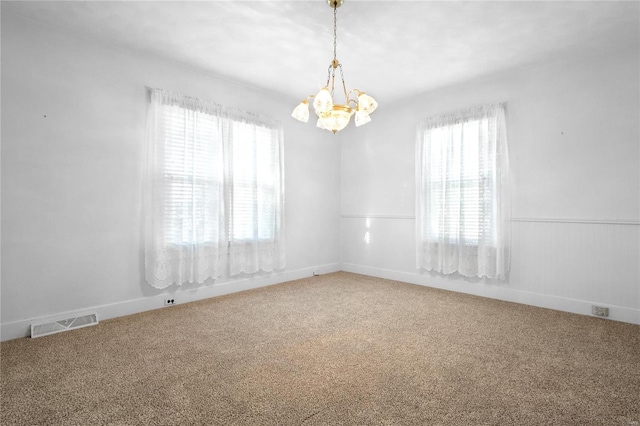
(73, 132)
(73, 129)
(573, 130)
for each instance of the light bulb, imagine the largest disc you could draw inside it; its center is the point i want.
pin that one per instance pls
(320, 124)
(366, 103)
(323, 101)
(361, 118)
(301, 112)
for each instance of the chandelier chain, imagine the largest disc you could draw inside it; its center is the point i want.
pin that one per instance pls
(335, 32)
(344, 86)
(333, 80)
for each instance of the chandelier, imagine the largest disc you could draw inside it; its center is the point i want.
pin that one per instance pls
(331, 115)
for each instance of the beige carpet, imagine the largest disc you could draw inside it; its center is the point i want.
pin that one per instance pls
(332, 350)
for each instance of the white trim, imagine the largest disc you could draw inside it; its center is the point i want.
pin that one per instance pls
(513, 219)
(583, 307)
(378, 216)
(21, 328)
(586, 221)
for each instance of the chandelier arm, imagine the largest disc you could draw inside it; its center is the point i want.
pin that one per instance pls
(350, 99)
(355, 90)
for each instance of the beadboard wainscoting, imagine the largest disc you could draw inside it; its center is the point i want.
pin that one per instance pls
(562, 264)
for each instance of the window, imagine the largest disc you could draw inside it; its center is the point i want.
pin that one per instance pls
(255, 190)
(254, 183)
(456, 183)
(193, 175)
(214, 184)
(462, 197)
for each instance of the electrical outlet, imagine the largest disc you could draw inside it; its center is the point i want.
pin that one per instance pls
(169, 302)
(600, 311)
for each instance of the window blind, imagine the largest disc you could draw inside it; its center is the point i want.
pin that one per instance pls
(252, 198)
(192, 173)
(458, 174)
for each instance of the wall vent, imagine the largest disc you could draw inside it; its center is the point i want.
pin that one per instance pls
(39, 330)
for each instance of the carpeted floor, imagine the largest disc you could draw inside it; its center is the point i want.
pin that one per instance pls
(339, 349)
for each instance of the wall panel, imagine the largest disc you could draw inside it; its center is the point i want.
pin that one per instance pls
(592, 262)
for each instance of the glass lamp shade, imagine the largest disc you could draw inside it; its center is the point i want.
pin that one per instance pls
(366, 103)
(337, 119)
(323, 101)
(361, 118)
(301, 112)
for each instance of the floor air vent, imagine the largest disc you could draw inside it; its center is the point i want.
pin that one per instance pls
(39, 330)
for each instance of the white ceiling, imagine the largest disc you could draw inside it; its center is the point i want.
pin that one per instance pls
(392, 49)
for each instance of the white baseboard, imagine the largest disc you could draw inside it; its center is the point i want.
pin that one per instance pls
(583, 307)
(21, 328)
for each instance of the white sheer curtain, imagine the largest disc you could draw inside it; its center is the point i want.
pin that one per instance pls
(255, 190)
(462, 195)
(214, 177)
(184, 198)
